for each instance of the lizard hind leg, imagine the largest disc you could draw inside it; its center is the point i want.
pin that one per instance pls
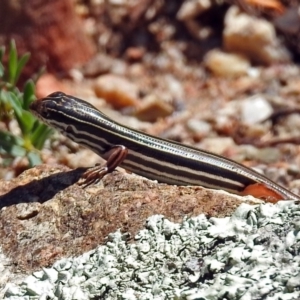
(114, 157)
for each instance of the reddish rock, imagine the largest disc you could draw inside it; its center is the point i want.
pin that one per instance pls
(50, 30)
(48, 84)
(117, 91)
(45, 216)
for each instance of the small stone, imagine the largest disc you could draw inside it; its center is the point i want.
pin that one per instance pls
(292, 125)
(117, 91)
(199, 127)
(135, 53)
(246, 152)
(217, 145)
(268, 155)
(265, 155)
(191, 9)
(292, 86)
(153, 108)
(98, 65)
(255, 109)
(255, 38)
(48, 84)
(174, 86)
(226, 64)
(27, 210)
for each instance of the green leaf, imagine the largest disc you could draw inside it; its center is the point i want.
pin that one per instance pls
(16, 151)
(26, 122)
(20, 65)
(7, 105)
(15, 103)
(4, 97)
(11, 144)
(25, 118)
(2, 51)
(40, 135)
(12, 62)
(28, 95)
(34, 158)
(1, 69)
(8, 137)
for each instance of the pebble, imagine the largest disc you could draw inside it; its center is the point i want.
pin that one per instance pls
(28, 210)
(244, 153)
(48, 84)
(291, 125)
(100, 64)
(135, 53)
(153, 108)
(226, 64)
(83, 158)
(216, 145)
(174, 87)
(199, 127)
(255, 38)
(191, 9)
(292, 86)
(266, 155)
(255, 109)
(116, 90)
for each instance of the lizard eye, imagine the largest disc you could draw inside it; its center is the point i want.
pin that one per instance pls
(44, 112)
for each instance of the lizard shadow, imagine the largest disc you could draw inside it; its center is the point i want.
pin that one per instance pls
(41, 190)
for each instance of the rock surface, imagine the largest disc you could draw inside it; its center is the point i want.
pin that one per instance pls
(250, 255)
(45, 216)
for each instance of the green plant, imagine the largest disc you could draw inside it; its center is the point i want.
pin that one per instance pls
(14, 104)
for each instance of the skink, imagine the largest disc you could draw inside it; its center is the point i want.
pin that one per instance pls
(143, 154)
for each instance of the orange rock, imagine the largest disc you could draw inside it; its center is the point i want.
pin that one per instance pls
(135, 53)
(272, 5)
(50, 31)
(48, 84)
(117, 91)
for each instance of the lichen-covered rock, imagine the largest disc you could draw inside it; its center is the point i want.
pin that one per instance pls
(251, 255)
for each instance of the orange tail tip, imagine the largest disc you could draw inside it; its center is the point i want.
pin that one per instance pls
(274, 5)
(261, 191)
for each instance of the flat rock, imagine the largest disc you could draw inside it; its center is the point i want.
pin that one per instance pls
(45, 215)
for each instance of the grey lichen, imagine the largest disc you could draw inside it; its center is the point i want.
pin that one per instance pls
(253, 254)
